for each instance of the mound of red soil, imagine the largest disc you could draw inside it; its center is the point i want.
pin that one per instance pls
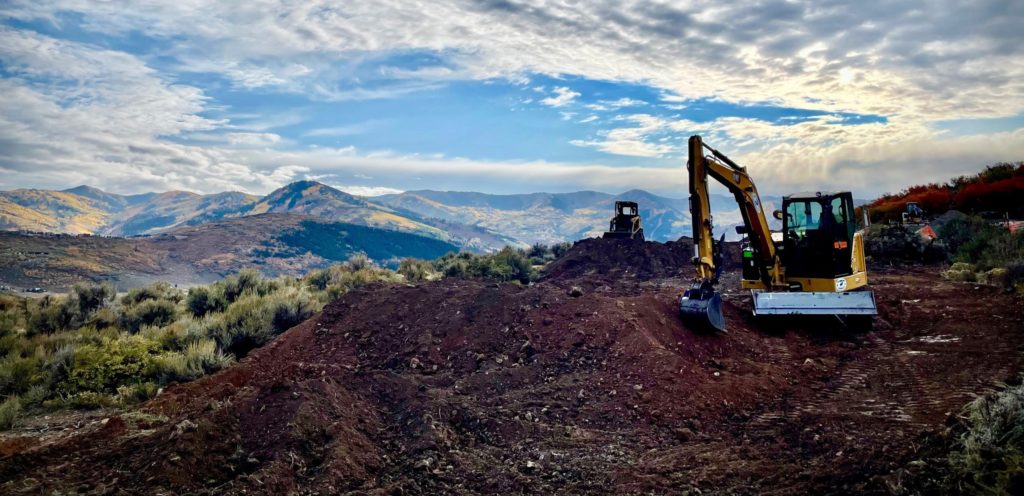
(625, 260)
(466, 387)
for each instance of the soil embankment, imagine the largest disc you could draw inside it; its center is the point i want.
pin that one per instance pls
(464, 387)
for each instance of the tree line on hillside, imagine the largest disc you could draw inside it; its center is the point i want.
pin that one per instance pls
(996, 189)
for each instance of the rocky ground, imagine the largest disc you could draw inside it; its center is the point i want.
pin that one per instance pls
(466, 387)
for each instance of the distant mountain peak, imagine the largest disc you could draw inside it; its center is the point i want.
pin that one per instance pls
(84, 189)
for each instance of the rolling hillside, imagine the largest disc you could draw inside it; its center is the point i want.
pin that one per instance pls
(275, 243)
(52, 211)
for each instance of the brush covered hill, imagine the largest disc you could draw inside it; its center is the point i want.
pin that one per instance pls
(87, 210)
(52, 211)
(556, 217)
(274, 243)
(172, 209)
(997, 189)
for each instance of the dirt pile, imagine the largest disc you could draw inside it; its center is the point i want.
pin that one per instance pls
(622, 261)
(466, 387)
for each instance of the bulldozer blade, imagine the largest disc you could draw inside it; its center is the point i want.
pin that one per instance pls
(814, 303)
(703, 311)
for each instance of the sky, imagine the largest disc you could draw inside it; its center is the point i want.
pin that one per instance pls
(504, 96)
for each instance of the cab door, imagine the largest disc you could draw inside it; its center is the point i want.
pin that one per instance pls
(843, 228)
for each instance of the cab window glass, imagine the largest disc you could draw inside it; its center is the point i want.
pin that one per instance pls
(803, 215)
(839, 211)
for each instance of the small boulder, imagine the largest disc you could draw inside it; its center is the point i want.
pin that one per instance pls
(684, 434)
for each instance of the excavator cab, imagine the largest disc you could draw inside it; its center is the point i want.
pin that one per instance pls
(818, 230)
(626, 222)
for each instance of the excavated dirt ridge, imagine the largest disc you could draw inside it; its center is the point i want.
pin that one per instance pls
(466, 387)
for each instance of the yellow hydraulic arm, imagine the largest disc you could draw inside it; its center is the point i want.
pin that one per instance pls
(701, 299)
(736, 179)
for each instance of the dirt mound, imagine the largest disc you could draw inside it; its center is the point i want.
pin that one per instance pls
(626, 260)
(467, 387)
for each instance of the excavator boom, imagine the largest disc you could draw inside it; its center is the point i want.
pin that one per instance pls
(702, 304)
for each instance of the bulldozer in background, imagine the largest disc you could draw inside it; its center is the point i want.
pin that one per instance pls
(815, 266)
(626, 222)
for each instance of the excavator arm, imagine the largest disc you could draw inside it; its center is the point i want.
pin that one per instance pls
(701, 301)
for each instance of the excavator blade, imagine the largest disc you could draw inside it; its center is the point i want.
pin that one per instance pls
(814, 303)
(702, 309)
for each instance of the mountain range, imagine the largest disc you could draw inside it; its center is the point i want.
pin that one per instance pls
(88, 210)
(277, 244)
(474, 221)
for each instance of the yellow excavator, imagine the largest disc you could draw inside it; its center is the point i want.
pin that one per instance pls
(815, 266)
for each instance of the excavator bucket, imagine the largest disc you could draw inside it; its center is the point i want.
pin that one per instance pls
(814, 303)
(702, 309)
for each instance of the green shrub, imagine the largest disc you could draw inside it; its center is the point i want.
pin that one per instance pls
(989, 456)
(319, 279)
(246, 281)
(61, 362)
(36, 395)
(254, 320)
(202, 300)
(148, 313)
(86, 400)
(454, 264)
(136, 393)
(19, 373)
(961, 230)
(169, 367)
(51, 314)
(198, 359)
(417, 270)
(156, 291)
(102, 368)
(507, 264)
(103, 318)
(203, 357)
(91, 297)
(8, 324)
(974, 240)
(359, 261)
(9, 411)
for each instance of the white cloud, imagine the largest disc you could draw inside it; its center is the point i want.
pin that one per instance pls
(339, 131)
(368, 190)
(563, 96)
(949, 60)
(634, 140)
(109, 115)
(76, 114)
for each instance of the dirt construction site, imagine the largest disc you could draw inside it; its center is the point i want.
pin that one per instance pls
(586, 382)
